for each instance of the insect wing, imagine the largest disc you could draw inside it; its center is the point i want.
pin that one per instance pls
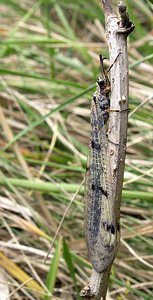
(99, 223)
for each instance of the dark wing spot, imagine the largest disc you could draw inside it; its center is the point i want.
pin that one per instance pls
(95, 145)
(103, 191)
(93, 186)
(99, 188)
(92, 144)
(106, 194)
(107, 227)
(112, 228)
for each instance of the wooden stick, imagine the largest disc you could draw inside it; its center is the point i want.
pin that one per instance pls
(117, 32)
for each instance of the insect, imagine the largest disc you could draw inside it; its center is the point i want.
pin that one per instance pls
(100, 222)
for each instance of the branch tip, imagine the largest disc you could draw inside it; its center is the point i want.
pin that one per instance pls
(108, 10)
(124, 22)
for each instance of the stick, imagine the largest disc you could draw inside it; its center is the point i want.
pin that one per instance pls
(117, 32)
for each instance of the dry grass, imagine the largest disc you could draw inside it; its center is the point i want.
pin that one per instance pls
(49, 64)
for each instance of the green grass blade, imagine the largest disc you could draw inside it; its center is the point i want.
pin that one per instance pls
(40, 77)
(48, 187)
(138, 62)
(51, 276)
(63, 20)
(69, 261)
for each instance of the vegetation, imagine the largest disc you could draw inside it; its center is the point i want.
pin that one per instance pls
(49, 65)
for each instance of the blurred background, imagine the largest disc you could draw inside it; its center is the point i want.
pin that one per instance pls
(49, 54)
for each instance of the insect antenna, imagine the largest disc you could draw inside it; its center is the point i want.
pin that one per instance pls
(102, 65)
(112, 64)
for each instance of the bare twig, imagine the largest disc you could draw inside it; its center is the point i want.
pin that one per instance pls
(117, 32)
